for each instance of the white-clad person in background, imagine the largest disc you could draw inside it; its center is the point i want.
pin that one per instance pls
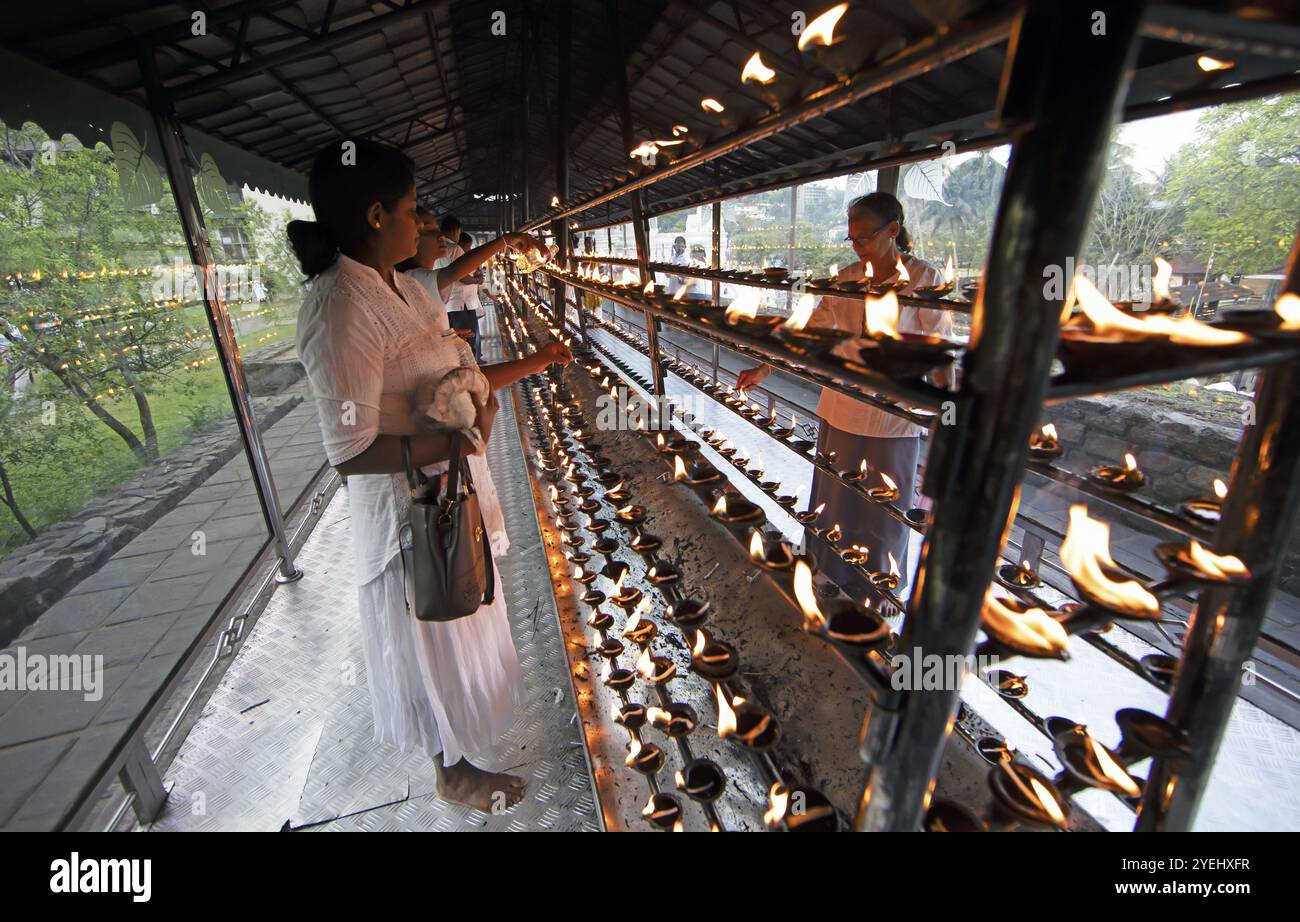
(368, 337)
(458, 313)
(678, 257)
(473, 296)
(855, 430)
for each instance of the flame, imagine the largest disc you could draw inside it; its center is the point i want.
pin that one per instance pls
(1048, 801)
(1213, 564)
(659, 441)
(779, 800)
(1220, 488)
(1209, 64)
(627, 278)
(618, 583)
(1130, 463)
(1187, 331)
(882, 316)
(802, 312)
(863, 470)
(700, 642)
(1032, 630)
(821, 31)
(1112, 769)
(1288, 308)
(712, 105)
(1160, 284)
(949, 272)
(645, 149)
(889, 481)
(806, 597)
(756, 70)
(633, 750)
(681, 293)
(657, 715)
(726, 716)
(680, 129)
(645, 666)
(649, 288)
(629, 626)
(720, 507)
(579, 573)
(1085, 553)
(833, 270)
(893, 564)
(744, 306)
(679, 468)
(904, 276)
(555, 201)
(1049, 432)
(756, 550)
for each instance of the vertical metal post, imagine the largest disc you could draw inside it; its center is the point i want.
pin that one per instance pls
(639, 228)
(175, 154)
(887, 180)
(560, 229)
(1258, 515)
(789, 250)
(1061, 118)
(715, 255)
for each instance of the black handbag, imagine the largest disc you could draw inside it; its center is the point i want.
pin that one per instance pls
(451, 554)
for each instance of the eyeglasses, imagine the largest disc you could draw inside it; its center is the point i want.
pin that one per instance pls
(863, 241)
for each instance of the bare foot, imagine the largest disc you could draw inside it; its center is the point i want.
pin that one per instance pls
(491, 792)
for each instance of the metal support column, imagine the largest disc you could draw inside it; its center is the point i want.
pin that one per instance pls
(560, 228)
(176, 157)
(1061, 118)
(1258, 515)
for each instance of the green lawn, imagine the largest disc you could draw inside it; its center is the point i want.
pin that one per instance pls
(81, 468)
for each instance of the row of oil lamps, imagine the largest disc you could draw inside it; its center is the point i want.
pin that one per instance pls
(740, 721)
(1023, 792)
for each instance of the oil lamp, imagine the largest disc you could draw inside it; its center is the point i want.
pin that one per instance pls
(943, 288)
(583, 576)
(745, 723)
(886, 492)
(1044, 445)
(620, 680)
(608, 478)
(947, 816)
(1159, 668)
(600, 620)
(847, 622)
(687, 613)
(701, 780)
(1018, 576)
(1143, 735)
(833, 534)
(887, 579)
(1206, 510)
(1092, 764)
(610, 648)
(734, 509)
(1008, 684)
(1193, 561)
(631, 715)
(784, 432)
(1280, 325)
(645, 544)
(1028, 795)
(616, 493)
(802, 338)
(628, 598)
(858, 474)
(597, 525)
(673, 444)
(631, 514)
(1023, 629)
(663, 811)
(713, 658)
(696, 473)
(646, 758)
(808, 516)
(606, 547)
(1085, 554)
(674, 719)
(637, 629)
(802, 809)
(891, 352)
(918, 518)
(655, 669)
(662, 573)
(1123, 479)
(589, 506)
(780, 557)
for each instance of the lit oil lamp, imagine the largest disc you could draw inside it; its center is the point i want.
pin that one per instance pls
(631, 715)
(606, 547)
(1206, 510)
(734, 510)
(784, 432)
(800, 810)
(646, 758)
(1191, 560)
(663, 811)
(742, 313)
(713, 659)
(616, 493)
(687, 613)
(1085, 554)
(675, 719)
(1092, 764)
(586, 577)
(745, 723)
(600, 620)
(662, 573)
(640, 630)
(847, 622)
(808, 516)
(1280, 325)
(628, 598)
(800, 337)
(620, 680)
(887, 580)
(1044, 445)
(1008, 684)
(673, 444)
(597, 525)
(942, 289)
(778, 557)
(858, 474)
(655, 669)
(891, 352)
(696, 473)
(856, 555)
(610, 648)
(1160, 668)
(631, 514)
(1028, 795)
(1123, 479)
(701, 780)
(645, 544)
(887, 492)
(833, 534)
(1023, 629)
(1018, 576)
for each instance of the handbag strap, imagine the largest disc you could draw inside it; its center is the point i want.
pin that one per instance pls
(453, 468)
(411, 479)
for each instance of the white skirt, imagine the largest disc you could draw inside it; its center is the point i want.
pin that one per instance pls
(450, 688)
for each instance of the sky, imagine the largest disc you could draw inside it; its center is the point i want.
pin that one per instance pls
(1154, 140)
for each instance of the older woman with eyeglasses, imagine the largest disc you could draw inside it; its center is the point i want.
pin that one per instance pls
(855, 430)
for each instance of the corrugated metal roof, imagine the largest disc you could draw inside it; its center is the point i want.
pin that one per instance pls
(282, 77)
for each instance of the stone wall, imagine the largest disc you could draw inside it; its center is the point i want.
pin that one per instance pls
(35, 576)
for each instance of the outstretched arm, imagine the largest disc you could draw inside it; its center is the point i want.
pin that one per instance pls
(468, 264)
(504, 374)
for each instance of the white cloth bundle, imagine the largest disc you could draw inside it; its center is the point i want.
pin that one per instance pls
(446, 402)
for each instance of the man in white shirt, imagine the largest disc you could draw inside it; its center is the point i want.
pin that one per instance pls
(678, 258)
(858, 431)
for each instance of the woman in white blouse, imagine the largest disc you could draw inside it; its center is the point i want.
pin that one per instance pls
(367, 336)
(858, 431)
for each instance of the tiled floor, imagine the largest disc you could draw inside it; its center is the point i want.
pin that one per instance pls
(140, 611)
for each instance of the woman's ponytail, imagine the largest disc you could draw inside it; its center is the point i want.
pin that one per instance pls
(314, 246)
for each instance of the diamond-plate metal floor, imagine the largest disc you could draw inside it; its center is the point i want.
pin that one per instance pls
(285, 741)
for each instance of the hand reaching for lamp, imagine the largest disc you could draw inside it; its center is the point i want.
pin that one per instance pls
(752, 377)
(556, 353)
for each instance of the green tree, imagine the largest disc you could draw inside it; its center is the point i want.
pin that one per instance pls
(966, 222)
(1133, 220)
(1240, 184)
